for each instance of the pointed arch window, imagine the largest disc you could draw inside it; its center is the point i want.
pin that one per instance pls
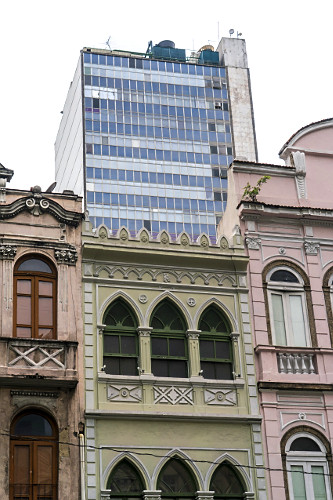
(120, 341)
(125, 482)
(176, 481)
(33, 457)
(308, 473)
(35, 294)
(169, 354)
(288, 312)
(215, 345)
(226, 483)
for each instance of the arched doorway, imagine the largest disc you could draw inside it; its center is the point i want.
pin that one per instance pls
(33, 457)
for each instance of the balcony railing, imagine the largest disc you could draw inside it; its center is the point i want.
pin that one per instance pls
(302, 363)
(36, 359)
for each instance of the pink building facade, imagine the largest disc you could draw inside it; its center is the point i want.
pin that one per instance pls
(288, 232)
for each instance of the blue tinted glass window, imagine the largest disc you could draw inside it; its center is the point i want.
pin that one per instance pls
(159, 154)
(170, 203)
(138, 200)
(114, 174)
(161, 202)
(143, 153)
(90, 197)
(120, 151)
(145, 201)
(130, 200)
(151, 154)
(98, 197)
(122, 199)
(97, 149)
(178, 203)
(167, 155)
(153, 202)
(184, 179)
(137, 176)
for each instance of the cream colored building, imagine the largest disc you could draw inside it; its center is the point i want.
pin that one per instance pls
(171, 402)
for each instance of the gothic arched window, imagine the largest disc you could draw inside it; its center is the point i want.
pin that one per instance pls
(125, 482)
(120, 340)
(215, 345)
(226, 483)
(176, 481)
(169, 356)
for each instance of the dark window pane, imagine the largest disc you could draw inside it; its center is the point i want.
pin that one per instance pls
(177, 368)
(128, 345)
(285, 276)
(207, 348)
(159, 346)
(225, 481)
(222, 350)
(304, 444)
(207, 369)
(111, 344)
(124, 478)
(128, 366)
(111, 365)
(159, 367)
(223, 371)
(176, 478)
(177, 347)
(34, 265)
(33, 425)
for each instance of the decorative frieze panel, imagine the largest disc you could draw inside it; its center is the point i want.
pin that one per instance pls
(166, 276)
(173, 395)
(221, 397)
(41, 355)
(288, 417)
(253, 243)
(124, 393)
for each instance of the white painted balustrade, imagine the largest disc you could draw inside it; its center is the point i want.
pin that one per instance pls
(296, 363)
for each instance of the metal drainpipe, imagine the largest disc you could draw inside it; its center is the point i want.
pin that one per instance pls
(82, 467)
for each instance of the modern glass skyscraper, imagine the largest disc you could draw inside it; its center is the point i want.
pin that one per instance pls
(147, 138)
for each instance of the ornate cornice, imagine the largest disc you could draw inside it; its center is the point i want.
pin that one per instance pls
(37, 204)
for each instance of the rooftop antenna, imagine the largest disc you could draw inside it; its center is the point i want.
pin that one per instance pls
(107, 43)
(239, 34)
(231, 32)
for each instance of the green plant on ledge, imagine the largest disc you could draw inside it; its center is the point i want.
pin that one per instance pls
(253, 191)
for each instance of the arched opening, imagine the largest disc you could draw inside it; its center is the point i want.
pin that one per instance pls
(125, 482)
(169, 354)
(176, 481)
(120, 340)
(307, 468)
(33, 457)
(226, 483)
(215, 345)
(35, 298)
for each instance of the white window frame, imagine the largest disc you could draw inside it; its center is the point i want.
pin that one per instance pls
(287, 290)
(307, 459)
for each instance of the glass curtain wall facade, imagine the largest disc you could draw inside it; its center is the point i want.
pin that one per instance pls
(157, 143)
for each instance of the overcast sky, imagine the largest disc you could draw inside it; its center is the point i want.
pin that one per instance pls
(289, 46)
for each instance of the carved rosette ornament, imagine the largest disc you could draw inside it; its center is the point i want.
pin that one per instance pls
(311, 248)
(7, 252)
(253, 243)
(66, 256)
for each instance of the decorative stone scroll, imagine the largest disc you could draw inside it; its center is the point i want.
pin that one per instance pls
(253, 243)
(311, 248)
(66, 256)
(7, 252)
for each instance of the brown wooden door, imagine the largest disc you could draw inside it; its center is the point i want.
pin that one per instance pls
(33, 470)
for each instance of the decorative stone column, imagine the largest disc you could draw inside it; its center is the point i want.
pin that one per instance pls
(7, 254)
(145, 358)
(152, 494)
(100, 347)
(235, 350)
(204, 495)
(65, 257)
(194, 352)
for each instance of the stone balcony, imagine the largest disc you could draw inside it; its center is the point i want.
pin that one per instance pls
(38, 363)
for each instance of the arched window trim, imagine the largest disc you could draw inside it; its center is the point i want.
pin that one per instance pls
(308, 307)
(164, 343)
(35, 277)
(211, 340)
(306, 460)
(138, 473)
(120, 344)
(31, 461)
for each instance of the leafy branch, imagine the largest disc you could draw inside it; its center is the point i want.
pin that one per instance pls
(253, 191)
